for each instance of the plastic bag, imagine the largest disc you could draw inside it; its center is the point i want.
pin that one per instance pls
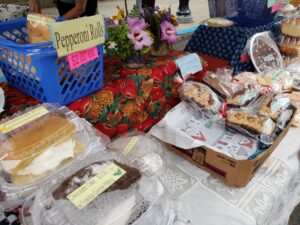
(250, 123)
(36, 144)
(38, 28)
(264, 52)
(200, 96)
(132, 198)
(295, 99)
(294, 69)
(243, 97)
(141, 151)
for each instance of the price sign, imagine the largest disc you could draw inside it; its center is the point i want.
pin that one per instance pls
(78, 58)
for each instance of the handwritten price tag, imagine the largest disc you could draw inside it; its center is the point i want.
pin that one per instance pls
(189, 64)
(78, 58)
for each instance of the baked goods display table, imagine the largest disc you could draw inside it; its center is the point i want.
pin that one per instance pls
(130, 99)
(268, 199)
(227, 43)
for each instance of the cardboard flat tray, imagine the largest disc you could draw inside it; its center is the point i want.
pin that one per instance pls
(233, 172)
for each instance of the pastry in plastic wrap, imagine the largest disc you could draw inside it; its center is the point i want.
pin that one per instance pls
(100, 191)
(278, 80)
(219, 22)
(73, 182)
(294, 69)
(38, 28)
(291, 27)
(264, 53)
(273, 106)
(251, 122)
(38, 143)
(201, 97)
(289, 45)
(222, 88)
(243, 97)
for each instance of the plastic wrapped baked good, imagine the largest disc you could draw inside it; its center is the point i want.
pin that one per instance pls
(243, 97)
(273, 105)
(294, 69)
(295, 99)
(38, 28)
(100, 191)
(291, 27)
(251, 123)
(39, 142)
(142, 151)
(223, 88)
(264, 53)
(278, 80)
(200, 96)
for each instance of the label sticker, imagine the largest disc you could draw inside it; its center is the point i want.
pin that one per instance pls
(276, 7)
(89, 33)
(189, 64)
(40, 19)
(86, 193)
(79, 58)
(130, 145)
(23, 119)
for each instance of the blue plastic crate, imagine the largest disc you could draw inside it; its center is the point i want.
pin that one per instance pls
(37, 70)
(250, 12)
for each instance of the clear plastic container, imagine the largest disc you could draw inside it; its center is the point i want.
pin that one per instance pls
(133, 199)
(37, 144)
(142, 151)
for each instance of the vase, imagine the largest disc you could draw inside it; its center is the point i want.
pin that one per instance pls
(133, 62)
(162, 50)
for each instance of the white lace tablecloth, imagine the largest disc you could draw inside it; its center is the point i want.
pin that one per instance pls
(269, 198)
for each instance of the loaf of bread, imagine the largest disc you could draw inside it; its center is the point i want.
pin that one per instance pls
(76, 180)
(254, 124)
(291, 27)
(38, 28)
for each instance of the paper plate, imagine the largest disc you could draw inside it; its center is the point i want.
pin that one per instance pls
(264, 53)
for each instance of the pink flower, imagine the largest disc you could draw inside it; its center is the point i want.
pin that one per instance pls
(135, 22)
(139, 38)
(168, 32)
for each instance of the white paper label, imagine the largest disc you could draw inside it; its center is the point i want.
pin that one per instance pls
(189, 65)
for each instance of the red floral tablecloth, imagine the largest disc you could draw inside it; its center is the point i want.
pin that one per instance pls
(130, 99)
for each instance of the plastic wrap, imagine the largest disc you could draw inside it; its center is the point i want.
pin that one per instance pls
(278, 80)
(221, 85)
(201, 97)
(243, 97)
(142, 151)
(10, 11)
(287, 10)
(273, 105)
(294, 69)
(38, 28)
(132, 199)
(264, 52)
(37, 144)
(251, 123)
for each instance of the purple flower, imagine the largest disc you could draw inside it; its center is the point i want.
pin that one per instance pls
(168, 32)
(139, 38)
(136, 22)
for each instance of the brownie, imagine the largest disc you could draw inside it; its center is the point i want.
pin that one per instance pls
(76, 180)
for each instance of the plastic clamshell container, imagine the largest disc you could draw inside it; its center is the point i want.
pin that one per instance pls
(141, 202)
(37, 144)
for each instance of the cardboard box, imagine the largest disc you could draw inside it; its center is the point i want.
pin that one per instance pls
(233, 172)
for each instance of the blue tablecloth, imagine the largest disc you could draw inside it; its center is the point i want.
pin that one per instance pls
(228, 43)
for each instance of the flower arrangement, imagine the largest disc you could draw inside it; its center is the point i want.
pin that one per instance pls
(162, 25)
(128, 35)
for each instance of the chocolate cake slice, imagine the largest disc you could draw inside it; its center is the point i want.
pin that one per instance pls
(76, 180)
